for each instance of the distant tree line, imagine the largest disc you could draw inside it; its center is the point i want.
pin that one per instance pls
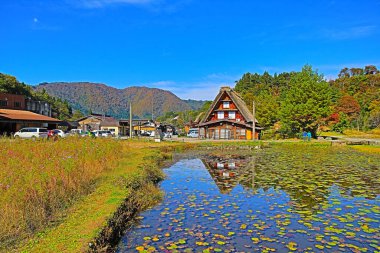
(292, 102)
(179, 119)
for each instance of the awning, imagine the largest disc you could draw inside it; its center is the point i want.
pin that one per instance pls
(21, 115)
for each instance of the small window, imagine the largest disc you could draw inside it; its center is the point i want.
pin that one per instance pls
(44, 130)
(17, 104)
(231, 115)
(32, 130)
(220, 115)
(226, 104)
(3, 103)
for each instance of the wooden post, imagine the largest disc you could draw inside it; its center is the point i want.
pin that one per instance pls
(130, 120)
(253, 122)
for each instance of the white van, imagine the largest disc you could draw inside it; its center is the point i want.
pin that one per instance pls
(32, 133)
(193, 133)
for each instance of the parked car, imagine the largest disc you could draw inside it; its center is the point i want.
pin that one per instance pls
(102, 133)
(76, 132)
(56, 132)
(32, 133)
(193, 133)
(60, 133)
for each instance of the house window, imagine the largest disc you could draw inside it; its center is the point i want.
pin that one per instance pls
(220, 115)
(242, 132)
(226, 105)
(17, 104)
(231, 115)
(3, 103)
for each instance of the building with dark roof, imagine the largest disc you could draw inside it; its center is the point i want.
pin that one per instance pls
(13, 120)
(228, 118)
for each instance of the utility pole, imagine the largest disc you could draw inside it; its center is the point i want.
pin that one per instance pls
(152, 106)
(130, 120)
(254, 121)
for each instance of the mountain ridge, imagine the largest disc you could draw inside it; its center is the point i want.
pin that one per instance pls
(100, 98)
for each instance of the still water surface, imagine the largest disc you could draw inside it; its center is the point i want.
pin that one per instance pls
(275, 200)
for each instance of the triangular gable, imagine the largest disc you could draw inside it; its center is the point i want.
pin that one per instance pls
(236, 99)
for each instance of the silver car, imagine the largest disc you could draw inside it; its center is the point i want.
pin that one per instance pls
(102, 133)
(32, 133)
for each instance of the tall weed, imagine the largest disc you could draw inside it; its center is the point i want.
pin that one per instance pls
(39, 178)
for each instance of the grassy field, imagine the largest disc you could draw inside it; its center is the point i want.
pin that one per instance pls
(57, 196)
(373, 134)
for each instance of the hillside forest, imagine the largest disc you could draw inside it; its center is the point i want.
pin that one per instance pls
(291, 102)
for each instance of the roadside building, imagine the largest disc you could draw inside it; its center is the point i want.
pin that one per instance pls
(13, 120)
(39, 107)
(143, 127)
(90, 123)
(228, 118)
(12, 101)
(19, 102)
(94, 122)
(110, 124)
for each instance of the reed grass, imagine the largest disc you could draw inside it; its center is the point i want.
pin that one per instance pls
(38, 179)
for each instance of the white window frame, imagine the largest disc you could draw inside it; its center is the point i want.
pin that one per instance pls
(230, 115)
(220, 115)
(226, 105)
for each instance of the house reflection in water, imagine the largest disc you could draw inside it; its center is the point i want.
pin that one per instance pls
(227, 173)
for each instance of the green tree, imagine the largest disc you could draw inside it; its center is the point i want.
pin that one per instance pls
(342, 124)
(9, 84)
(305, 103)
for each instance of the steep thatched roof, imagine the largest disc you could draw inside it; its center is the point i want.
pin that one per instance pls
(199, 117)
(236, 99)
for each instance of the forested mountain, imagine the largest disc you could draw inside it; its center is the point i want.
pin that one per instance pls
(99, 98)
(297, 101)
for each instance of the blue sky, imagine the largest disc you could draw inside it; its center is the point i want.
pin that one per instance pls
(190, 47)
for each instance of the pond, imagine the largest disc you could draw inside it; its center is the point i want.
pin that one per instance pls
(284, 198)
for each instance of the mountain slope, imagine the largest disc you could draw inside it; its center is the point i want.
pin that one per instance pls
(100, 98)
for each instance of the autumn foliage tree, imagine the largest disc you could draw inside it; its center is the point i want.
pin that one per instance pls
(349, 105)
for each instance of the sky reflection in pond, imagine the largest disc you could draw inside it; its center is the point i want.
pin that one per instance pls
(267, 202)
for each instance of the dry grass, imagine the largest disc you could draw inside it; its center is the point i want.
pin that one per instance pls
(375, 133)
(368, 149)
(40, 178)
(58, 196)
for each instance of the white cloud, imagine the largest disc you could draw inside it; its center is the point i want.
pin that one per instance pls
(350, 33)
(104, 3)
(199, 90)
(35, 20)
(205, 88)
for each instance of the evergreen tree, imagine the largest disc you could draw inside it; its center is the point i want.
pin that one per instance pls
(305, 103)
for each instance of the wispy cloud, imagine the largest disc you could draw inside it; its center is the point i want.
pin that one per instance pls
(104, 3)
(205, 88)
(350, 33)
(151, 5)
